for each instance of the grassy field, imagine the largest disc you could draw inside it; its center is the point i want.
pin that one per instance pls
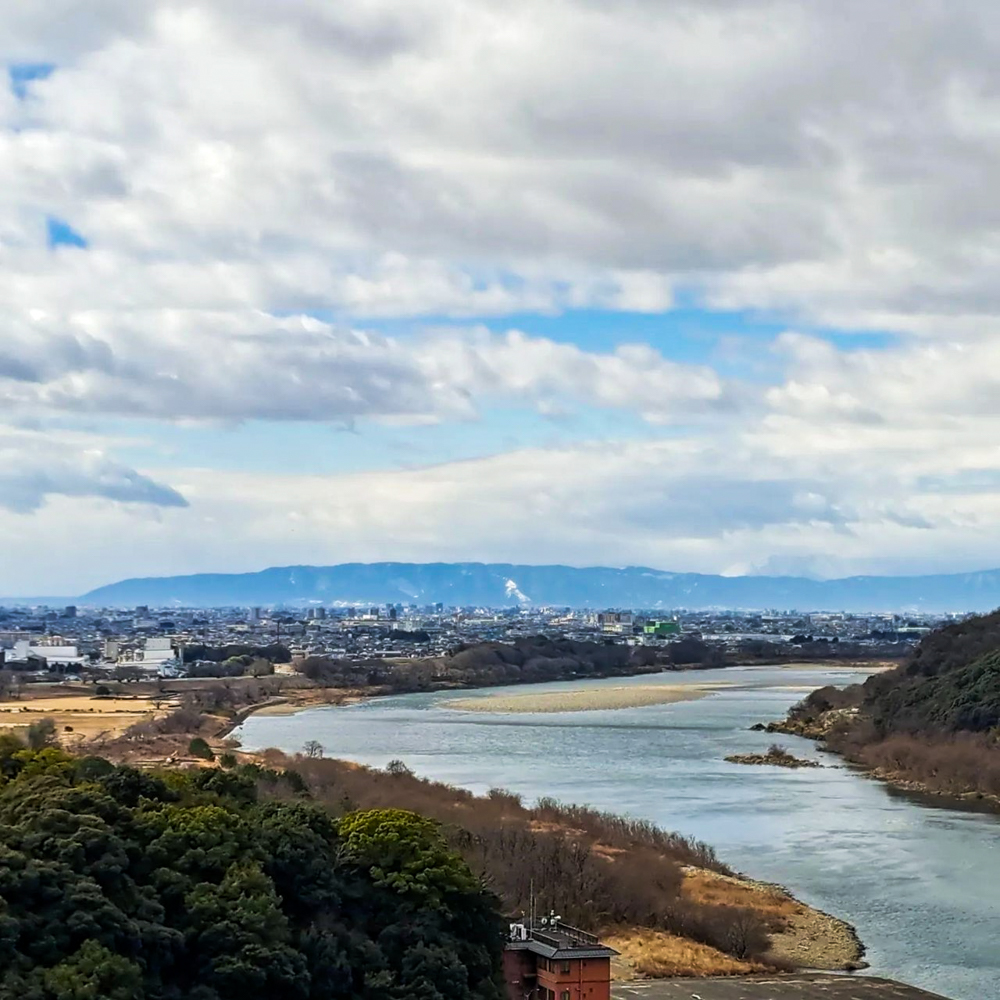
(79, 715)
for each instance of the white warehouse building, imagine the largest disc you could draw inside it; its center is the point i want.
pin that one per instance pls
(54, 656)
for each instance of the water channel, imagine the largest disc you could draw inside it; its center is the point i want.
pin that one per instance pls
(921, 883)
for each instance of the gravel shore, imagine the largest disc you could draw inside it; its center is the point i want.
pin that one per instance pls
(585, 699)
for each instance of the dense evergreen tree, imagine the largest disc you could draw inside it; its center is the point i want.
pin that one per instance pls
(117, 883)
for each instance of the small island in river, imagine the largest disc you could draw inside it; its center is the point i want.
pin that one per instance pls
(776, 756)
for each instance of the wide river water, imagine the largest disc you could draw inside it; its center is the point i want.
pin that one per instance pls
(920, 883)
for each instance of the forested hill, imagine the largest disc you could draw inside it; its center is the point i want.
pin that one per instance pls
(950, 684)
(934, 720)
(504, 585)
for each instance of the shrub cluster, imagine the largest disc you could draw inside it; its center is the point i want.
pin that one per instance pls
(596, 869)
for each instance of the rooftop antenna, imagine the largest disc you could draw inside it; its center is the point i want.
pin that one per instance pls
(531, 907)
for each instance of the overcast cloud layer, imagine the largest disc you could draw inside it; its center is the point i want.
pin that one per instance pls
(213, 212)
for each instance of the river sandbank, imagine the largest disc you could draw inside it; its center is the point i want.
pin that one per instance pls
(808, 938)
(585, 698)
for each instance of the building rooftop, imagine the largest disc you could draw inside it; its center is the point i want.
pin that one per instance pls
(556, 940)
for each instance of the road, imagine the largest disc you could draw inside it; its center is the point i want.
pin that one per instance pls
(793, 987)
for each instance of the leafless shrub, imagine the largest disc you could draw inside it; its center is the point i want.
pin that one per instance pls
(596, 869)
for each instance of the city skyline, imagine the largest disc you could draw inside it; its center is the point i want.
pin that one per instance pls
(705, 287)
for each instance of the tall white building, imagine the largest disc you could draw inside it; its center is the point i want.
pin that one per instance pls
(157, 651)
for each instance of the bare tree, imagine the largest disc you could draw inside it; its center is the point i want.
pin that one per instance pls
(313, 749)
(9, 685)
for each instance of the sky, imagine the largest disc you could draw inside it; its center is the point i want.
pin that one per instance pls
(705, 286)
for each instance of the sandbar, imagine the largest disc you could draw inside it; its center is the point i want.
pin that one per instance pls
(585, 699)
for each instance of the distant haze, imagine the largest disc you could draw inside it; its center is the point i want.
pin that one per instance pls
(504, 585)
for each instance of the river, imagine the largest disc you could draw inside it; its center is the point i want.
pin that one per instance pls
(920, 883)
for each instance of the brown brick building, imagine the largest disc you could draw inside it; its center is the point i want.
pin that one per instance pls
(556, 962)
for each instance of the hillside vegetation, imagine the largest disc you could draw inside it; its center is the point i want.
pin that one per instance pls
(934, 720)
(117, 884)
(608, 873)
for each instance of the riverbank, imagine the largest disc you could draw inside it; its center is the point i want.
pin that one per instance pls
(802, 937)
(819, 728)
(664, 900)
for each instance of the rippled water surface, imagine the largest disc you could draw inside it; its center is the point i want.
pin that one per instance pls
(921, 883)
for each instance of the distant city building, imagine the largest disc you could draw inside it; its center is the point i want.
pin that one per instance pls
(158, 654)
(615, 621)
(661, 628)
(54, 655)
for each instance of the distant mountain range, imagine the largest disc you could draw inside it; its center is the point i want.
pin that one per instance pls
(504, 585)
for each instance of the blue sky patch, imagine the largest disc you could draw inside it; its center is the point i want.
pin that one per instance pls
(22, 74)
(62, 234)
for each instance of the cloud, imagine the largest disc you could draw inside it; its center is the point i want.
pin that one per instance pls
(35, 467)
(668, 505)
(258, 184)
(237, 366)
(787, 155)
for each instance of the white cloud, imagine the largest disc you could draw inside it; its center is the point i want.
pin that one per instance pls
(35, 467)
(237, 166)
(237, 365)
(833, 159)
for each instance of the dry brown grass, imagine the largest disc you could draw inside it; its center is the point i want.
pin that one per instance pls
(80, 716)
(776, 907)
(800, 936)
(655, 954)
